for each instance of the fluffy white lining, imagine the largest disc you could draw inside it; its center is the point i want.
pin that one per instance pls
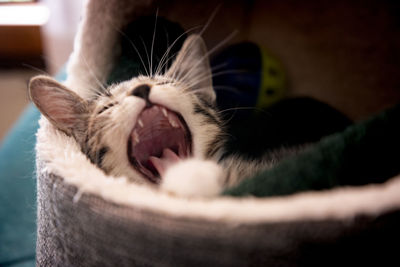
(64, 158)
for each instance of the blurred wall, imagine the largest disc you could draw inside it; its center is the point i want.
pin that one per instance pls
(58, 34)
(25, 48)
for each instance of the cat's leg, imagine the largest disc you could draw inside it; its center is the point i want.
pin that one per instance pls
(96, 44)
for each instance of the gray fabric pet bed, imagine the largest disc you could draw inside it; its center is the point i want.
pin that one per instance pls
(86, 218)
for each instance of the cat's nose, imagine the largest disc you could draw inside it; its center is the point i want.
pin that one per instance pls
(142, 91)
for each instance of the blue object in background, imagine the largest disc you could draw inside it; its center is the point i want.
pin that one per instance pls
(18, 192)
(237, 75)
(247, 78)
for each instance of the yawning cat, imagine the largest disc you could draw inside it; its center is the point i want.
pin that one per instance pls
(163, 130)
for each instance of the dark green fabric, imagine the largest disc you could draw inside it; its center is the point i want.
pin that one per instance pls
(362, 154)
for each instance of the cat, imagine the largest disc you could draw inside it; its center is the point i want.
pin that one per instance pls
(162, 130)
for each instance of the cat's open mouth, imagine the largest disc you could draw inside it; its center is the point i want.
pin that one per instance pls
(159, 138)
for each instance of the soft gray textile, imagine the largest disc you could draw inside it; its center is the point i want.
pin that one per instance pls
(94, 232)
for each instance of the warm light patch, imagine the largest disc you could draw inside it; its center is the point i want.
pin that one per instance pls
(24, 14)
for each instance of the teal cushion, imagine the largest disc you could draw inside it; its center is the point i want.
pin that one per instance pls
(18, 191)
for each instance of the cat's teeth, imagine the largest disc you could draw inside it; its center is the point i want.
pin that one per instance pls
(164, 111)
(136, 139)
(140, 122)
(173, 122)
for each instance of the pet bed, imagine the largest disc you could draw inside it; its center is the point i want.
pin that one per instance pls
(86, 218)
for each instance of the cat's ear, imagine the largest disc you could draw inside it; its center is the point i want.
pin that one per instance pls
(62, 107)
(192, 67)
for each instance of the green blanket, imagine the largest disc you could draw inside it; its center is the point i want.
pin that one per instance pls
(364, 153)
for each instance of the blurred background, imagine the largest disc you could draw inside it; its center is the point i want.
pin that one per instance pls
(344, 53)
(36, 38)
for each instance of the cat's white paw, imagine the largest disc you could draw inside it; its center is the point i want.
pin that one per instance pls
(193, 178)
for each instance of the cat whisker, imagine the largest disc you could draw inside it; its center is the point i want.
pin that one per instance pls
(227, 88)
(237, 108)
(245, 108)
(168, 45)
(161, 64)
(178, 63)
(226, 121)
(106, 93)
(165, 64)
(210, 19)
(217, 67)
(206, 56)
(208, 76)
(148, 70)
(152, 44)
(213, 73)
(175, 73)
(92, 74)
(96, 93)
(182, 58)
(213, 69)
(135, 48)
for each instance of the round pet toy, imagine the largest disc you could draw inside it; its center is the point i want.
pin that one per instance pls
(248, 76)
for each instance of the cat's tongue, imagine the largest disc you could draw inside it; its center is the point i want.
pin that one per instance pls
(159, 138)
(167, 159)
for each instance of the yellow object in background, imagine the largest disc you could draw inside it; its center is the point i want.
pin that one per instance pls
(273, 85)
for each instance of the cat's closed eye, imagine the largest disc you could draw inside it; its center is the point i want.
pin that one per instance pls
(105, 108)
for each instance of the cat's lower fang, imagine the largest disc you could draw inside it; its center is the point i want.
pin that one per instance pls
(136, 139)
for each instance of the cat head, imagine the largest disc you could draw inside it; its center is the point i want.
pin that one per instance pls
(137, 127)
